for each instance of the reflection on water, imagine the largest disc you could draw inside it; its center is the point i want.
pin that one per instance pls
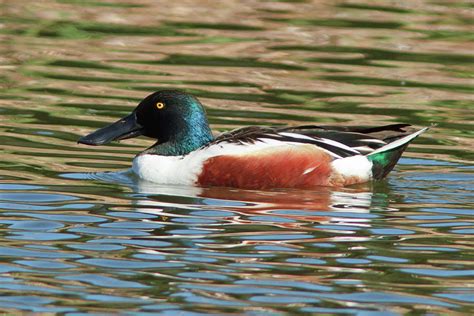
(142, 244)
(76, 238)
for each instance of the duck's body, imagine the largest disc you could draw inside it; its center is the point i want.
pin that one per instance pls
(252, 157)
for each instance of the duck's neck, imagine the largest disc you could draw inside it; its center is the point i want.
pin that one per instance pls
(193, 134)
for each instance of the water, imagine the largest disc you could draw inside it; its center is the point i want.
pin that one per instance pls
(81, 235)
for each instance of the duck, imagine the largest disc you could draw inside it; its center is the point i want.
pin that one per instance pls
(254, 157)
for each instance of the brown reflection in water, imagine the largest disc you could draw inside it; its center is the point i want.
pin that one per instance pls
(319, 199)
(300, 206)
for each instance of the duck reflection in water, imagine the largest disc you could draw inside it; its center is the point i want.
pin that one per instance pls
(298, 207)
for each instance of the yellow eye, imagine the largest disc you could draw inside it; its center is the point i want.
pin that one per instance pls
(160, 105)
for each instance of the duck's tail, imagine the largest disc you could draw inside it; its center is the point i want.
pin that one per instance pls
(386, 157)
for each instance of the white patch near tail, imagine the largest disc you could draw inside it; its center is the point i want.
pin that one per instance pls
(354, 167)
(399, 142)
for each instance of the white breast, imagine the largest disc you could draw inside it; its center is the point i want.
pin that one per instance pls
(166, 169)
(358, 167)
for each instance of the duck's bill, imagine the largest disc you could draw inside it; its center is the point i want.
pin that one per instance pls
(122, 129)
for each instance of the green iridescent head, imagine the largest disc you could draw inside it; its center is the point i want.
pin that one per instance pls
(175, 119)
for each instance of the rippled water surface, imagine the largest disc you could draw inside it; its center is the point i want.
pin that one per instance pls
(80, 234)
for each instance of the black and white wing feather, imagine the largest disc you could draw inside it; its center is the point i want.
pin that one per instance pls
(340, 142)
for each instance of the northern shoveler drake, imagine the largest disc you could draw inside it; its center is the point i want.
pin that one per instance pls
(187, 153)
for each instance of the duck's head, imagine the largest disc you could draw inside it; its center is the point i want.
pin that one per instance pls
(174, 118)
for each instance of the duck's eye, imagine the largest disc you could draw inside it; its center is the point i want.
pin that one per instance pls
(160, 105)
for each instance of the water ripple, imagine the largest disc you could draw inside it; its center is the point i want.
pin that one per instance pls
(82, 235)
